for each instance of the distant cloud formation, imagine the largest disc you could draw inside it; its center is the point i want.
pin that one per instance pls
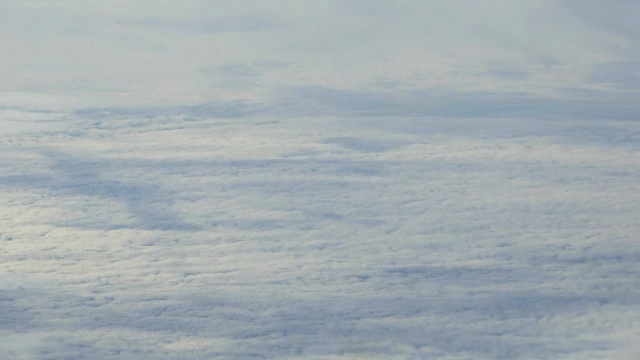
(525, 57)
(319, 179)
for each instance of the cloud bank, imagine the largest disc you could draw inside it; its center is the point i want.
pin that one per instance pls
(541, 57)
(319, 180)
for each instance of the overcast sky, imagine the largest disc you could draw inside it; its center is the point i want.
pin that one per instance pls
(464, 58)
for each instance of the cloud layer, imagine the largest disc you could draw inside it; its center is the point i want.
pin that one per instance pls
(166, 237)
(319, 179)
(535, 56)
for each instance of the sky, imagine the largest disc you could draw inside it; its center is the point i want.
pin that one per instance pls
(498, 58)
(352, 179)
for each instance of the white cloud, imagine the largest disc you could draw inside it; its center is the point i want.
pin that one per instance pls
(318, 179)
(320, 237)
(150, 53)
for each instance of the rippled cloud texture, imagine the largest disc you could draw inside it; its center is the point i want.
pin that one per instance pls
(319, 179)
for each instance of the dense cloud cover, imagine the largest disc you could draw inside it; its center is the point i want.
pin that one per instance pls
(319, 179)
(524, 58)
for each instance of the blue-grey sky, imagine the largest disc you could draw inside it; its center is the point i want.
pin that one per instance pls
(462, 58)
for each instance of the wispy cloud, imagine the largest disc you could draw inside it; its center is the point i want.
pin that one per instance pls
(146, 54)
(570, 104)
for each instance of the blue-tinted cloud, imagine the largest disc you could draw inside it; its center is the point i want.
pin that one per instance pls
(518, 55)
(294, 179)
(573, 104)
(623, 75)
(615, 16)
(178, 235)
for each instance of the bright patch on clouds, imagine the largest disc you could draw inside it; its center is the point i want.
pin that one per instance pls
(187, 237)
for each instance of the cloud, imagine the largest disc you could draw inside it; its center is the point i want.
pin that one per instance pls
(205, 52)
(213, 26)
(186, 236)
(624, 75)
(317, 100)
(617, 17)
(318, 179)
